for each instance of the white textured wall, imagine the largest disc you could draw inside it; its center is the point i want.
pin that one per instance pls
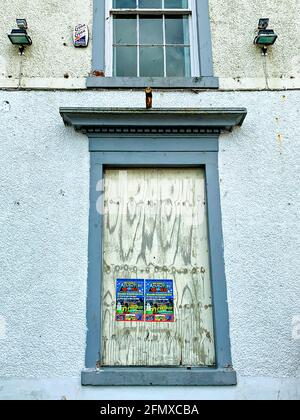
(237, 61)
(51, 24)
(44, 202)
(234, 26)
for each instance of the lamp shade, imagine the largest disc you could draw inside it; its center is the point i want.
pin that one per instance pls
(20, 37)
(266, 37)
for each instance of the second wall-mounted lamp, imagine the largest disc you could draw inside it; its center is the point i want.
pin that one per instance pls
(265, 37)
(20, 37)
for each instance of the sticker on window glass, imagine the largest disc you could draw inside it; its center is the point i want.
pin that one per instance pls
(130, 300)
(159, 301)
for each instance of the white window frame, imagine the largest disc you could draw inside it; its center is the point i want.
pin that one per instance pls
(194, 48)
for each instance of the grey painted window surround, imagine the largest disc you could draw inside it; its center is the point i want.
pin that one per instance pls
(157, 138)
(205, 80)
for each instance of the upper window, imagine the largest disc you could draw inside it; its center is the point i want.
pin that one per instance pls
(157, 43)
(152, 38)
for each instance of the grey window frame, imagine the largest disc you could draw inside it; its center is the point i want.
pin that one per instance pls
(158, 138)
(205, 80)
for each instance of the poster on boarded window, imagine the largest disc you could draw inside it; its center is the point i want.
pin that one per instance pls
(159, 301)
(130, 300)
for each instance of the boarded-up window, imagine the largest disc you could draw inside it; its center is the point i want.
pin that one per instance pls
(155, 227)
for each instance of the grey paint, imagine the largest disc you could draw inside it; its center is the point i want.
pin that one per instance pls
(98, 59)
(158, 377)
(150, 144)
(161, 159)
(202, 82)
(85, 119)
(217, 265)
(204, 39)
(94, 268)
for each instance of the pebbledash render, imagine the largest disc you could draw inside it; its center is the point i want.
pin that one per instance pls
(165, 157)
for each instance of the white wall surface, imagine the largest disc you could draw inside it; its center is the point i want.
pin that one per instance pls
(44, 203)
(51, 24)
(237, 61)
(234, 26)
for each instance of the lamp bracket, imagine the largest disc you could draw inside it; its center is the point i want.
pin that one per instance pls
(263, 23)
(22, 24)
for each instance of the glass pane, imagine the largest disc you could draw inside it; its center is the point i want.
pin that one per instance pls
(177, 30)
(178, 62)
(124, 4)
(151, 62)
(150, 4)
(151, 30)
(176, 4)
(125, 30)
(125, 61)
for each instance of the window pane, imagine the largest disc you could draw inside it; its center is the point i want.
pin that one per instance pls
(151, 30)
(127, 4)
(177, 30)
(125, 30)
(150, 4)
(178, 62)
(125, 61)
(151, 62)
(176, 4)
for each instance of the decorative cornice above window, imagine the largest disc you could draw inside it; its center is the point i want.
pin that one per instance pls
(131, 121)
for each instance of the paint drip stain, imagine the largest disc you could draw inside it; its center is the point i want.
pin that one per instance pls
(5, 106)
(279, 138)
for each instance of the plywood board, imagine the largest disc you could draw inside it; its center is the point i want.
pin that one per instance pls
(155, 227)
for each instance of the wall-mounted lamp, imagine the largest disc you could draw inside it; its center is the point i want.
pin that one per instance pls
(265, 37)
(20, 36)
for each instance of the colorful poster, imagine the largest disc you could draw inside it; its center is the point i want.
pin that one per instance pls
(159, 302)
(81, 35)
(130, 300)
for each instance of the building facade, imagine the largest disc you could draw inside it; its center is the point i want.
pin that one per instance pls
(222, 128)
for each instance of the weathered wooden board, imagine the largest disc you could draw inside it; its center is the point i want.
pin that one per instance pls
(155, 227)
